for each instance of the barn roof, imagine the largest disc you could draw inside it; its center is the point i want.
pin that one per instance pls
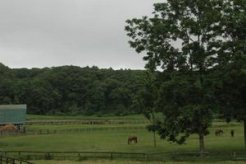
(13, 106)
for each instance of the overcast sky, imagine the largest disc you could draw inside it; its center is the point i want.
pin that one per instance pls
(46, 33)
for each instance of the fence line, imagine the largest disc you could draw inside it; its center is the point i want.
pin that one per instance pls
(62, 131)
(8, 160)
(77, 155)
(40, 155)
(85, 122)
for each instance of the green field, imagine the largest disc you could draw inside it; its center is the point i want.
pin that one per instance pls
(113, 138)
(133, 162)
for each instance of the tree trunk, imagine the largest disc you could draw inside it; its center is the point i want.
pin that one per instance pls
(201, 144)
(153, 120)
(244, 125)
(154, 139)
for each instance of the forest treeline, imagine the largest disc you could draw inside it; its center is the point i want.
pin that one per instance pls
(71, 89)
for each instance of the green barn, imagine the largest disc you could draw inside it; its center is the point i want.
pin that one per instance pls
(12, 114)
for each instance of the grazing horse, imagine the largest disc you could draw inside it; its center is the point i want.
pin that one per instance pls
(9, 128)
(218, 132)
(132, 139)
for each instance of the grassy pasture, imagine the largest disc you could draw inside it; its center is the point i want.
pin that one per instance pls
(116, 140)
(132, 162)
(113, 138)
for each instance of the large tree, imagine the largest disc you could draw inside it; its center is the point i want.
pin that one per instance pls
(183, 38)
(145, 101)
(232, 68)
(232, 92)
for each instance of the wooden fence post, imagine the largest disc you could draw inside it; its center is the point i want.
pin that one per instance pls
(145, 157)
(111, 156)
(234, 155)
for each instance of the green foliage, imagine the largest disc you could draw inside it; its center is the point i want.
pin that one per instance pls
(231, 92)
(231, 89)
(187, 40)
(181, 35)
(186, 107)
(70, 90)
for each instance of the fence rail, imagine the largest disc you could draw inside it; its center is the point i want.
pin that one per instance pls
(76, 155)
(64, 131)
(40, 155)
(8, 160)
(84, 122)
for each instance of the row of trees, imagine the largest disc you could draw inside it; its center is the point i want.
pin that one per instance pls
(199, 48)
(71, 90)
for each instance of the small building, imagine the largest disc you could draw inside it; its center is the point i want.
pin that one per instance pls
(13, 114)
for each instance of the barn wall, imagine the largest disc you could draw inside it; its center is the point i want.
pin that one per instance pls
(13, 114)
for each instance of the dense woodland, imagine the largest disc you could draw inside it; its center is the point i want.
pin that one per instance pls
(71, 90)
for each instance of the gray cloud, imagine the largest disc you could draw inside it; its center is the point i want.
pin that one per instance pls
(39, 33)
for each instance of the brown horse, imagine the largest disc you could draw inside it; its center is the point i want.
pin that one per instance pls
(132, 139)
(9, 128)
(218, 132)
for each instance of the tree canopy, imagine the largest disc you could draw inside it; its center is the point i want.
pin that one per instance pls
(71, 90)
(188, 40)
